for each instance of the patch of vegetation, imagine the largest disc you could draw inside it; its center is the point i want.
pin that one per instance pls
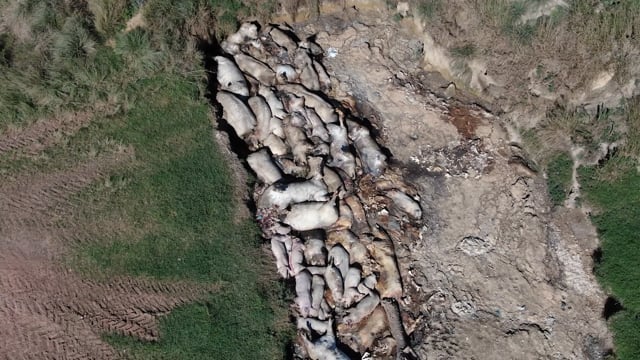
(227, 326)
(607, 23)
(506, 15)
(179, 193)
(617, 208)
(464, 52)
(428, 9)
(109, 16)
(563, 129)
(559, 173)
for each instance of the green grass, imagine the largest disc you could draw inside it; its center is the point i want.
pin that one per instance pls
(617, 203)
(179, 192)
(559, 172)
(505, 15)
(428, 9)
(227, 326)
(465, 51)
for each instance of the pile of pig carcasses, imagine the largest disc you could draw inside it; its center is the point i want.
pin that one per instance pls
(324, 194)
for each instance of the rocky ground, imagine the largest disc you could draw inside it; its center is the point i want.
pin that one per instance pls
(496, 273)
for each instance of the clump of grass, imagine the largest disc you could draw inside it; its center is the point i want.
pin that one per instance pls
(505, 15)
(108, 15)
(74, 42)
(136, 49)
(617, 208)
(563, 128)
(464, 52)
(559, 173)
(631, 147)
(428, 9)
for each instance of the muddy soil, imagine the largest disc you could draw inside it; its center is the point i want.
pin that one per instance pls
(496, 274)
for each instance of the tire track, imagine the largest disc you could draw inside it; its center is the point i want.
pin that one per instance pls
(49, 312)
(43, 133)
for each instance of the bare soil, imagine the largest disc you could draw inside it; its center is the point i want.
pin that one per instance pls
(494, 273)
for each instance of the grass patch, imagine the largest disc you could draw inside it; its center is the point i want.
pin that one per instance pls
(227, 326)
(559, 172)
(428, 9)
(464, 51)
(563, 128)
(178, 190)
(617, 204)
(505, 15)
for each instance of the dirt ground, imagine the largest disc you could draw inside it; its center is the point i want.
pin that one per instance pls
(496, 274)
(46, 310)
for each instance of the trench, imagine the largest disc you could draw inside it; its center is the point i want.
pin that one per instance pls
(330, 325)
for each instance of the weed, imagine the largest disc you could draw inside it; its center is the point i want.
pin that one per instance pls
(557, 16)
(390, 4)
(559, 172)
(74, 42)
